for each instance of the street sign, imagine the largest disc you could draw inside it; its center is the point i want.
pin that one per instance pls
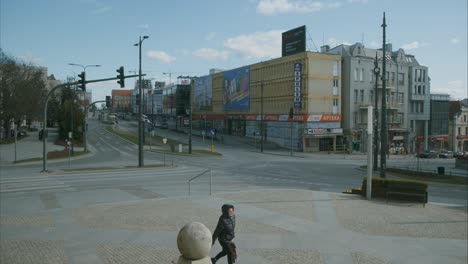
(212, 132)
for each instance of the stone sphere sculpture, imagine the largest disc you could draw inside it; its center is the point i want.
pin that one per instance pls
(194, 241)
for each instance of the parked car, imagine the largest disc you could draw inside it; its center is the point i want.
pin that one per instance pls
(164, 125)
(428, 155)
(446, 154)
(457, 154)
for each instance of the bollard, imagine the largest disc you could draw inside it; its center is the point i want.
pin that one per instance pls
(194, 244)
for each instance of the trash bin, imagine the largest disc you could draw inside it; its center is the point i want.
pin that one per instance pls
(441, 170)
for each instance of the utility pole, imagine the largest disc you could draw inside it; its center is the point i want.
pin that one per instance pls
(383, 132)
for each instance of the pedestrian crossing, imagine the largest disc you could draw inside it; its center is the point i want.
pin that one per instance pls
(31, 183)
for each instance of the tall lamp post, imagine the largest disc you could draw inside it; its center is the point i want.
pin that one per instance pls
(383, 132)
(140, 108)
(85, 114)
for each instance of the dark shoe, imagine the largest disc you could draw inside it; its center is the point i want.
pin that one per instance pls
(213, 260)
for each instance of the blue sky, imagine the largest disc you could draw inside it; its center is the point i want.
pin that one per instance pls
(189, 37)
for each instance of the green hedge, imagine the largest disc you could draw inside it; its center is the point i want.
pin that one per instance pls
(381, 185)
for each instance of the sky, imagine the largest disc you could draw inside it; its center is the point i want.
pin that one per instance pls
(190, 37)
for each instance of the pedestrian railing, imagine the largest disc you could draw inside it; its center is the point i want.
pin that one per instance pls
(199, 175)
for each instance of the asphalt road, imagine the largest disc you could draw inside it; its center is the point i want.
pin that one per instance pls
(242, 166)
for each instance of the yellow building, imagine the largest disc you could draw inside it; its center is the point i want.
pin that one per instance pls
(233, 101)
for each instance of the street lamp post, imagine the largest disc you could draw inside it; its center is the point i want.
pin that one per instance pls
(383, 131)
(85, 114)
(140, 108)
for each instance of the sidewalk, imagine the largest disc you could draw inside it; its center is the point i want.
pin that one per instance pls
(28, 148)
(273, 227)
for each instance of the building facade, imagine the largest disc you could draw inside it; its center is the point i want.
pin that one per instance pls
(296, 99)
(439, 122)
(458, 126)
(121, 100)
(407, 109)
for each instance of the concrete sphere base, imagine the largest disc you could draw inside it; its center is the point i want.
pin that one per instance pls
(205, 260)
(194, 241)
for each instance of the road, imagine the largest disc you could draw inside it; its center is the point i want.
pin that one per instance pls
(241, 167)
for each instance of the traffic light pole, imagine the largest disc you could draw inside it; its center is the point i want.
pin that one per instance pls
(44, 124)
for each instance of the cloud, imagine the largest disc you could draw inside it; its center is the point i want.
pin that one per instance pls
(272, 7)
(456, 89)
(332, 42)
(357, 1)
(145, 26)
(256, 45)
(414, 45)
(211, 54)
(210, 36)
(454, 41)
(160, 56)
(101, 10)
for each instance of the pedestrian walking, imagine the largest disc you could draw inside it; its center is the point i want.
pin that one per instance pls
(225, 233)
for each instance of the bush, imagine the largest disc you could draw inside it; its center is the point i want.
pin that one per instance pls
(380, 186)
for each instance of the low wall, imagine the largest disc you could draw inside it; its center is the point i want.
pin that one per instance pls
(461, 164)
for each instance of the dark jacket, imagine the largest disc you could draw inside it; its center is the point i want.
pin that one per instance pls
(226, 225)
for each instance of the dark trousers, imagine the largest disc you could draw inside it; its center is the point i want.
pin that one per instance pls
(226, 251)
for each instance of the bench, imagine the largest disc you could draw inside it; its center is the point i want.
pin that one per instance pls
(404, 190)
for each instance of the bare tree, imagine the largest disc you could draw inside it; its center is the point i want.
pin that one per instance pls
(22, 91)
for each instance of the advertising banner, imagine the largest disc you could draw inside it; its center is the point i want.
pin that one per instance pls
(294, 41)
(203, 93)
(236, 89)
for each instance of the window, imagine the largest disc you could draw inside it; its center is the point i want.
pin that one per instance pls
(459, 131)
(335, 68)
(356, 74)
(355, 96)
(355, 118)
(401, 97)
(335, 83)
(464, 118)
(335, 102)
(401, 79)
(371, 96)
(371, 75)
(392, 77)
(362, 96)
(361, 76)
(466, 130)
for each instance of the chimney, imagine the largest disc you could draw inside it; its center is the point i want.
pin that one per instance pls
(324, 48)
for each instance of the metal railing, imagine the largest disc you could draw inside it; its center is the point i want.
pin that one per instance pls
(189, 181)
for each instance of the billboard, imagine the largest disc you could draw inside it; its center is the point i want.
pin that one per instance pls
(293, 41)
(203, 93)
(236, 89)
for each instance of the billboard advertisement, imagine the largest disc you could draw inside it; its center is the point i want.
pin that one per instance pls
(293, 41)
(203, 93)
(236, 89)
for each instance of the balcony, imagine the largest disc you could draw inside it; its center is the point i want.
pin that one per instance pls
(418, 97)
(389, 85)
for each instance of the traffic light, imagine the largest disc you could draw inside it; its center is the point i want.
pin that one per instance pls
(108, 102)
(82, 81)
(291, 112)
(121, 77)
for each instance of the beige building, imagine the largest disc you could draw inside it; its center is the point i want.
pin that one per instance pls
(307, 82)
(458, 126)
